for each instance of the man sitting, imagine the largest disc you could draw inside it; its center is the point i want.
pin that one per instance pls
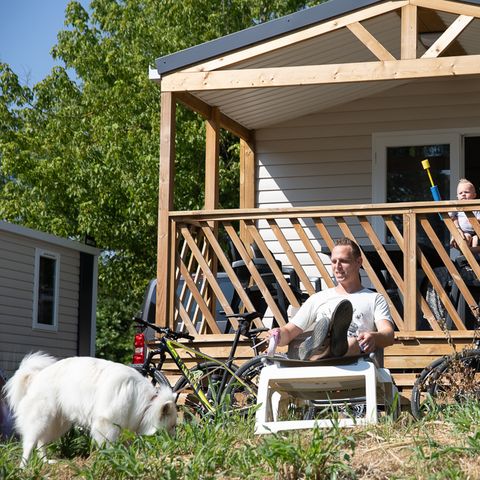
(348, 319)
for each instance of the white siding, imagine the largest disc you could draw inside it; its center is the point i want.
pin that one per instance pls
(326, 158)
(17, 337)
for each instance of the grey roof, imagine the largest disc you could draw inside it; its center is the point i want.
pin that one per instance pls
(259, 33)
(47, 237)
(265, 31)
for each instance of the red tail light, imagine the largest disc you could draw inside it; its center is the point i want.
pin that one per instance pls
(139, 349)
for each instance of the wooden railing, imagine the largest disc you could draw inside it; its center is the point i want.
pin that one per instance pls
(405, 257)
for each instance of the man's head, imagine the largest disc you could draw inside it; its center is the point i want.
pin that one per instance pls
(346, 262)
(466, 190)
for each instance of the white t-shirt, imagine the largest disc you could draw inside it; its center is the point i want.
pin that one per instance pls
(368, 308)
(463, 221)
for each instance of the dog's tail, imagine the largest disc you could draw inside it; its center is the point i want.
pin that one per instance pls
(16, 388)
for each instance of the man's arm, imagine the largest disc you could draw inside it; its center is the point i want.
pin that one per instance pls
(367, 342)
(287, 333)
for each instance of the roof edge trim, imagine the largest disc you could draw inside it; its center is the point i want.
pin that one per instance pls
(259, 33)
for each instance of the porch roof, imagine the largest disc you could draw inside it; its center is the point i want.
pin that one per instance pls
(258, 33)
(324, 56)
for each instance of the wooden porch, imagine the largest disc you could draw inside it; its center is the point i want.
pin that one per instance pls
(413, 265)
(264, 83)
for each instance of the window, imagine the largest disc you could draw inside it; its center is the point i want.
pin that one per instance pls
(398, 175)
(46, 286)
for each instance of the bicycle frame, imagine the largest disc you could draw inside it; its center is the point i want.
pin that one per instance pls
(172, 347)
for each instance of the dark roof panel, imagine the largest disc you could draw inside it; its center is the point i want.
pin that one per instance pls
(259, 33)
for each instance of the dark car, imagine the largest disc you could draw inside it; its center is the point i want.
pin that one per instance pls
(147, 312)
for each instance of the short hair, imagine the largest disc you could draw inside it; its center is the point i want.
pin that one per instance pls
(347, 242)
(465, 180)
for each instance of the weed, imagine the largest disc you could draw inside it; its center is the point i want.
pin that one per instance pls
(225, 447)
(75, 443)
(323, 455)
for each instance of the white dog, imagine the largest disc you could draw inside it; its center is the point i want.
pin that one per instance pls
(49, 396)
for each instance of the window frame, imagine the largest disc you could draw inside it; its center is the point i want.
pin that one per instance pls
(41, 253)
(382, 141)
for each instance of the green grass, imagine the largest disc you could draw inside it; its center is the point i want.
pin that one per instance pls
(446, 447)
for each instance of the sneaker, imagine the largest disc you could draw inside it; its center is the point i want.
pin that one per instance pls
(341, 319)
(315, 340)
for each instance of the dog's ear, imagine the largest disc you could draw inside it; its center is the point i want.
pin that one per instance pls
(169, 409)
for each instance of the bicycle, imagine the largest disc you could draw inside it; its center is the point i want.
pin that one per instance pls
(205, 386)
(448, 380)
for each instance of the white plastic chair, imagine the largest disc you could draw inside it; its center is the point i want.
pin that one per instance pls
(326, 383)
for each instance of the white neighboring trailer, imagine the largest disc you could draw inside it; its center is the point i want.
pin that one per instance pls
(48, 293)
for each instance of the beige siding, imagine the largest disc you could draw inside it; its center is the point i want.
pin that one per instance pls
(17, 336)
(326, 158)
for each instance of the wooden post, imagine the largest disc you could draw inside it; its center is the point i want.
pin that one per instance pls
(247, 182)
(212, 127)
(164, 311)
(410, 271)
(212, 145)
(408, 37)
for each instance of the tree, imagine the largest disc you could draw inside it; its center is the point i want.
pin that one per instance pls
(79, 151)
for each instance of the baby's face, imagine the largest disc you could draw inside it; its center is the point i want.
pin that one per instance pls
(466, 191)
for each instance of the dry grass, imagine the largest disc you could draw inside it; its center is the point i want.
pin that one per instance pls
(419, 451)
(431, 449)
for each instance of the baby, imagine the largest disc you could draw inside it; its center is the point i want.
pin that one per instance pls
(465, 191)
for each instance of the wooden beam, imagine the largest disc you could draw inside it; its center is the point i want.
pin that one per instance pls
(430, 21)
(370, 41)
(273, 265)
(317, 261)
(247, 183)
(408, 38)
(194, 103)
(292, 257)
(449, 6)
(427, 312)
(236, 128)
(298, 36)
(448, 36)
(199, 298)
(324, 74)
(257, 278)
(410, 271)
(212, 139)
(247, 303)
(247, 174)
(212, 153)
(163, 315)
(205, 110)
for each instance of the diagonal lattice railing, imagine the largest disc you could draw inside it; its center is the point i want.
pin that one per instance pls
(406, 269)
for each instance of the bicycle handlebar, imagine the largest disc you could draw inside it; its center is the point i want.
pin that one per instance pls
(168, 332)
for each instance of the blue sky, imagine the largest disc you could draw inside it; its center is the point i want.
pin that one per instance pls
(28, 31)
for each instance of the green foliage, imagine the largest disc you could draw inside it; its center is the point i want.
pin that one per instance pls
(79, 150)
(226, 447)
(75, 443)
(323, 454)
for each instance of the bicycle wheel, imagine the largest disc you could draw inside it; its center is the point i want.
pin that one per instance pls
(211, 379)
(158, 378)
(241, 393)
(155, 376)
(447, 381)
